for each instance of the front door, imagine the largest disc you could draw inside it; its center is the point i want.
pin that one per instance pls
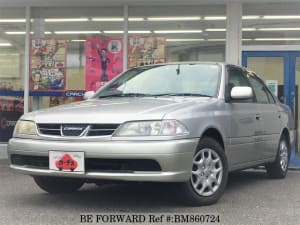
(244, 125)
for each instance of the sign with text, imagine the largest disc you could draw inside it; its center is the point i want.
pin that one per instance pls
(48, 64)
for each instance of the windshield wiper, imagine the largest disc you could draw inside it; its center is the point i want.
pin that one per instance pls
(183, 94)
(125, 95)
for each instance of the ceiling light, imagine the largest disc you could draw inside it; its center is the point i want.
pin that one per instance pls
(136, 19)
(215, 29)
(174, 18)
(15, 32)
(23, 32)
(116, 19)
(130, 32)
(78, 40)
(5, 44)
(108, 19)
(279, 29)
(251, 17)
(176, 31)
(215, 18)
(277, 39)
(247, 39)
(249, 29)
(184, 40)
(12, 20)
(78, 32)
(282, 17)
(113, 32)
(53, 20)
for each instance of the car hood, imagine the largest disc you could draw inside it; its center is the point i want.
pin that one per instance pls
(114, 110)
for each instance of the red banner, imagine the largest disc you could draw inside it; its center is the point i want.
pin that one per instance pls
(104, 61)
(48, 64)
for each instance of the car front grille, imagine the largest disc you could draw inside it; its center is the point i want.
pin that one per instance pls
(93, 164)
(32, 161)
(75, 130)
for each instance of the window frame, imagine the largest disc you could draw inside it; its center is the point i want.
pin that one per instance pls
(265, 88)
(227, 91)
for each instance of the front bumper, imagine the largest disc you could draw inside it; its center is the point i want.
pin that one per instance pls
(173, 156)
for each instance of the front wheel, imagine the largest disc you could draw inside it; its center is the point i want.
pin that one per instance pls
(209, 174)
(279, 168)
(56, 185)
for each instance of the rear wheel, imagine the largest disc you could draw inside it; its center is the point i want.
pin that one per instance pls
(279, 168)
(209, 174)
(55, 185)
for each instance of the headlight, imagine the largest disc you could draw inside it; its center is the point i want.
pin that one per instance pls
(152, 128)
(25, 127)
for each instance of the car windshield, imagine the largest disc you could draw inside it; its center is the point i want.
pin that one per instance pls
(169, 80)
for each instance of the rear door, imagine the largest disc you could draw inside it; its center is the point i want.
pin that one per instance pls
(269, 119)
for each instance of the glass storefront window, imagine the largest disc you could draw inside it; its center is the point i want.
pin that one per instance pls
(188, 33)
(271, 24)
(12, 42)
(69, 31)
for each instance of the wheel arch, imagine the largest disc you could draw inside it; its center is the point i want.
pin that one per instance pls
(214, 133)
(285, 133)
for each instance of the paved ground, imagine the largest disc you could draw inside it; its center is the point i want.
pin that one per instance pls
(250, 198)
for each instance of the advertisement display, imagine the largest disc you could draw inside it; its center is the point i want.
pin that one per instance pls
(146, 50)
(104, 61)
(48, 64)
(273, 86)
(11, 108)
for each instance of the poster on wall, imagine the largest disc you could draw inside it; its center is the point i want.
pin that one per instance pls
(11, 109)
(48, 64)
(146, 50)
(104, 61)
(273, 86)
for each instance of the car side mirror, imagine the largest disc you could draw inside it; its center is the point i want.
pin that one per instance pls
(241, 92)
(88, 95)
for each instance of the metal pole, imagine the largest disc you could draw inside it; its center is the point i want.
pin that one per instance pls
(27, 61)
(125, 38)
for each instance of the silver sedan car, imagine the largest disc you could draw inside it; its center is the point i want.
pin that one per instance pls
(185, 123)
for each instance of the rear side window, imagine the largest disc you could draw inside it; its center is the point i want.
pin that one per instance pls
(261, 91)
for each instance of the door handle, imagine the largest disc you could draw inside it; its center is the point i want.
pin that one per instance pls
(257, 116)
(279, 114)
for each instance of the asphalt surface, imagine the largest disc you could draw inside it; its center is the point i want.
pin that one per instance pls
(250, 198)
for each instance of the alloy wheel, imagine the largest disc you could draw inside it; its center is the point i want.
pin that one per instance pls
(283, 154)
(207, 172)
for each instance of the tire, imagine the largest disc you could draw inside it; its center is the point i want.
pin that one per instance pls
(195, 192)
(56, 185)
(279, 168)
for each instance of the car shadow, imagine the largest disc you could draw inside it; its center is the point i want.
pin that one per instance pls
(125, 197)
